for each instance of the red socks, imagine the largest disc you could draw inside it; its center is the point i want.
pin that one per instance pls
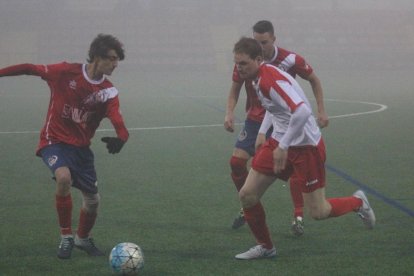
(238, 171)
(256, 219)
(343, 205)
(86, 222)
(297, 198)
(64, 210)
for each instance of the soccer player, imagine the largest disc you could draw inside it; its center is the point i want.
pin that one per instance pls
(296, 144)
(81, 96)
(292, 63)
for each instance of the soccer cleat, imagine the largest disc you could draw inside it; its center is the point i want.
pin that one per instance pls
(257, 252)
(65, 247)
(239, 221)
(297, 227)
(88, 246)
(365, 212)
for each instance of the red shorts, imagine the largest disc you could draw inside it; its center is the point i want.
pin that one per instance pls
(305, 164)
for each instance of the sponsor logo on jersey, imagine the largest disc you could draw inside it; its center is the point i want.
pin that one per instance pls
(77, 115)
(101, 96)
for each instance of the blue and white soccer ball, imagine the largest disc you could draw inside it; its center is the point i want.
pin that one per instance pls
(126, 259)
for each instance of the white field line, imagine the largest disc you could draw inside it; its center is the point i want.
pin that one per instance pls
(381, 108)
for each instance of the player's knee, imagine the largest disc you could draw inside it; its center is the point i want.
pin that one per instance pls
(316, 216)
(247, 199)
(63, 181)
(238, 165)
(318, 213)
(63, 177)
(91, 202)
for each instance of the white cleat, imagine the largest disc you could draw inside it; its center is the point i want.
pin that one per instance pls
(257, 252)
(365, 212)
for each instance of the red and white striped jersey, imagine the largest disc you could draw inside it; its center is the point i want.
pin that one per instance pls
(285, 60)
(280, 94)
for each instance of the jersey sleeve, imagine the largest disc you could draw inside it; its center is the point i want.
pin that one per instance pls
(236, 76)
(23, 69)
(283, 91)
(295, 127)
(46, 72)
(302, 68)
(266, 123)
(276, 86)
(114, 115)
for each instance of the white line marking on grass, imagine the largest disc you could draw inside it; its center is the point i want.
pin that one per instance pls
(382, 107)
(130, 129)
(20, 132)
(169, 127)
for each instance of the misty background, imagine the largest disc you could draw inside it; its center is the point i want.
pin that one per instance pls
(169, 189)
(188, 35)
(362, 50)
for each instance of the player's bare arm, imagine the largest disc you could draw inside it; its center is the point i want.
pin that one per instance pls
(316, 85)
(232, 100)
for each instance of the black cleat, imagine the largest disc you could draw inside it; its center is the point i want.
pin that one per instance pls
(65, 248)
(239, 221)
(88, 246)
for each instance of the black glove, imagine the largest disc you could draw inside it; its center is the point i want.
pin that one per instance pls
(113, 144)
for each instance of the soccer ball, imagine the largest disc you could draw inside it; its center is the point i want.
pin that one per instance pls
(126, 259)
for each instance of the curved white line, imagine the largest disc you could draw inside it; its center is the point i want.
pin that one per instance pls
(382, 107)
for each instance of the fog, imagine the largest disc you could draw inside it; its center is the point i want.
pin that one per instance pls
(199, 35)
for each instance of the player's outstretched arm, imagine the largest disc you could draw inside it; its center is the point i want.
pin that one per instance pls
(21, 69)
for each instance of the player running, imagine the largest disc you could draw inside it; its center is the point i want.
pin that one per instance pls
(296, 145)
(245, 147)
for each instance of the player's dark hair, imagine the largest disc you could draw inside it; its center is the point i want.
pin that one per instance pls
(104, 43)
(263, 26)
(248, 46)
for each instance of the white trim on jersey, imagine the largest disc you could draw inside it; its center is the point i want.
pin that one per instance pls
(274, 56)
(85, 75)
(288, 62)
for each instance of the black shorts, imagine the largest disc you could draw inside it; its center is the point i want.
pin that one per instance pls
(247, 136)
(79, 160)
